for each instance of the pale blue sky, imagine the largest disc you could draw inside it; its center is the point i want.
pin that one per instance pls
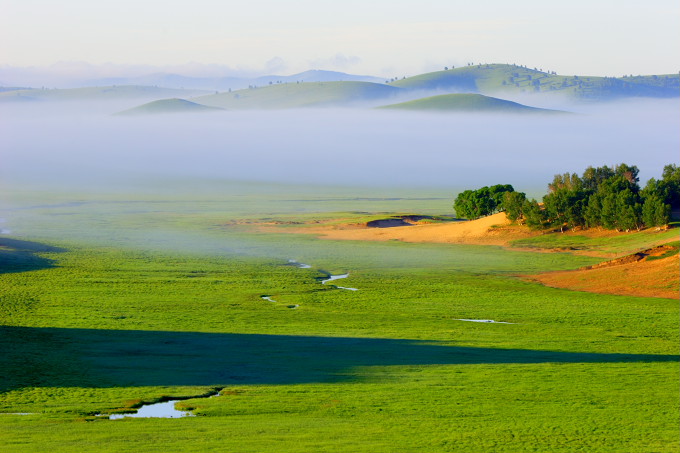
(387, 38)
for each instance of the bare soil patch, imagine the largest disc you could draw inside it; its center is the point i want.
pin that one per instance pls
(632, 275)
(492, 230)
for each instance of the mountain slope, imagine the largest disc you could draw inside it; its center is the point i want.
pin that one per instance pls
(296, 95)
(466, 102)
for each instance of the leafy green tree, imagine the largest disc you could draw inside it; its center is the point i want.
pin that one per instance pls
(592, 212)
(655, 213)
(473, 204)
(569, 181)
(608, 211)
(594, 176)
(464, 205)
(513, 202)
(533, 214)
(630, 173)
(497, 193)
(564, 206)
(671, 181)
(628, 211)
(656, 188)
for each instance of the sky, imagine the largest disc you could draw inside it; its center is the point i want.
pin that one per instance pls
(378, 37)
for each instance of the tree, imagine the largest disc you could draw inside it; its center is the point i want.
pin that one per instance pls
(628, 211)
(497, 193)
(513, 202)
(628, 172)
(608, 212)
(592, 213)
(564, 207)
(533, 214)
(593, 177)
(655, 213)
(671, 182)
(566, 181)
(463, 205)
(473, 204)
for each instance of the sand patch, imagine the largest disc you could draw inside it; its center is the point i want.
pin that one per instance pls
(641, 277)
(492, 230)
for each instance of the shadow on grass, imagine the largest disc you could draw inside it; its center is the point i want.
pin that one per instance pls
(19, 256)
(105, 358)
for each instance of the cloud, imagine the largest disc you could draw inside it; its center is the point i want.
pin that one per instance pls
(338, 62)
(275, 65)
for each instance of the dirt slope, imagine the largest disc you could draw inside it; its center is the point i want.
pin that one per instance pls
(631, 275)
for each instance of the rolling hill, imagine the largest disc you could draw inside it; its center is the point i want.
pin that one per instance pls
(466, 102)
(514, 79)
(233, 83)
(297, 95)
(168, 106)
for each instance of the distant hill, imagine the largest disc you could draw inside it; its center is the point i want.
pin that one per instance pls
(466, 102)
(296, 95)
(95, 94)
(512, 79)
(168, 106)
(231, 83)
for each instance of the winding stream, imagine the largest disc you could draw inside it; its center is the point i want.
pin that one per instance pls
(338, 277)
(164, 409)
(489, 321)
(156, 410)
(299, 265)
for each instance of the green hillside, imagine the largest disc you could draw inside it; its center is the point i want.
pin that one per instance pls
(296, 95)
(513, 79)
(95, 93)
(466, 102)
(169, 106)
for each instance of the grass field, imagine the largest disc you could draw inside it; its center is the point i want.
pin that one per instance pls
(109, 300)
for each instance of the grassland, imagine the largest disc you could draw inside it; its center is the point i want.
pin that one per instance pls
(107, 301)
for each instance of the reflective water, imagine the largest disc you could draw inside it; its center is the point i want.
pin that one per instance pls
(156, 410)
(338, 277)
(485, 320)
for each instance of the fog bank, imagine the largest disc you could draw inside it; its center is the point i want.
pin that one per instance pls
(63, 146)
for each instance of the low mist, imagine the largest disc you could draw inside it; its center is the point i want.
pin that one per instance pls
(173, 181)
(61, 146)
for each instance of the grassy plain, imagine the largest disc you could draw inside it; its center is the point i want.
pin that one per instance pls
(108, 300)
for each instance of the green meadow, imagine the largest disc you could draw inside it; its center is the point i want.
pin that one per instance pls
(111, 300)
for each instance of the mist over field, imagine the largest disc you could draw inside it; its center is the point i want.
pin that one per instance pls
(65, 144)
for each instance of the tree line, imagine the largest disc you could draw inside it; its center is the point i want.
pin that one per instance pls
(607, 197)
